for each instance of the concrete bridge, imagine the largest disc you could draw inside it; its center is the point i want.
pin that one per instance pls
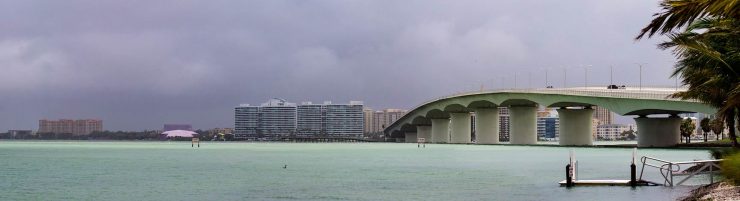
(448, 119)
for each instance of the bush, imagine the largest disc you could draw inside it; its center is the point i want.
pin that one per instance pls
(721, 153)
(731, 168)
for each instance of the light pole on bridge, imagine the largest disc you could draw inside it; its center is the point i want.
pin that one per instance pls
(640, 64)
(565, 77)
(585, 75)
(611, 75)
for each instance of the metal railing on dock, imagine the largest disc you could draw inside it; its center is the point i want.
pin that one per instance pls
(669, 169)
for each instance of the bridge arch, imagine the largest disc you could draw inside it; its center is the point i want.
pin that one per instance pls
(518, 102)
(437, 114)
(456, 108)
(421, 120)
(571, 104)
(481, 104)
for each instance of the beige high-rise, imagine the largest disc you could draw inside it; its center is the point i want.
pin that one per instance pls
(376, 121)
(603, 115)
(75, 127)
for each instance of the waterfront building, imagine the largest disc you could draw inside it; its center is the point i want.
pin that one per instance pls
(331, 120)
(311, 119)
(594, 127)
(503, 123)
(69, 126)
(344, 120)
(279, 118)
(382, 118)
(367, 115)
(246, 121)
(612, 131)
(272, 119)
(171, 127)
(603, 115)
(548, 127)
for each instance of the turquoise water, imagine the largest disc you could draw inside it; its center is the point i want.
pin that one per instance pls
(82, 170)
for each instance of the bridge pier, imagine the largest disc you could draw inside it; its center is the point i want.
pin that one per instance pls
(486, 126)
(523, 124)
(575, 126)
(410, 137)
(425, 132)
(460, 128)
(440, 130)
(658, 132)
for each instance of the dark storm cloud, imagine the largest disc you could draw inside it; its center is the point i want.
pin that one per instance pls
(139, 64)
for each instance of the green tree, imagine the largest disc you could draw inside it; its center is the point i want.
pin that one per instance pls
(705, 128)
(718, 126)
(687, 129)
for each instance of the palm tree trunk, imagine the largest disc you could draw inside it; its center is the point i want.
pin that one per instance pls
(731, 125)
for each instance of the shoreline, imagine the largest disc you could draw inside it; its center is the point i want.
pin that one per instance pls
(717, 191)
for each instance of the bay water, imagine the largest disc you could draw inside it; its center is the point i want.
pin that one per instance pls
(102, 170)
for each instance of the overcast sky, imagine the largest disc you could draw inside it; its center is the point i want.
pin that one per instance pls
(139, 64)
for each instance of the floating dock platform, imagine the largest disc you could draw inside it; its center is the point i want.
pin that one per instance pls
(608, 182)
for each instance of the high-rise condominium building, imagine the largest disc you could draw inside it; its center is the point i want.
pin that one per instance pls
(69, 126)
(548, 127)
(344, 120)
(274, 118)
(278, 118)
(503, 123)
(381, 119)
(603, 115)
(367, 115)
(331, 120)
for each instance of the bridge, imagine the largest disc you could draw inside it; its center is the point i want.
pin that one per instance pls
(448, 119)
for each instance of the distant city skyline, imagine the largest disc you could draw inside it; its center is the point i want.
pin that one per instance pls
(193, 61)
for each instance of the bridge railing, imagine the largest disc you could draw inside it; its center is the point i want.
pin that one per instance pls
(669, 170)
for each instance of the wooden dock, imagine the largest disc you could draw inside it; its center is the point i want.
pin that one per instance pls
(608, 182)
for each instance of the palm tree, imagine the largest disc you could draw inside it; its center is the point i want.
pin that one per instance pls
(705, 128)
(718, 125)
(679, 13)
(687, 129)
(708, 51)
(709, 62)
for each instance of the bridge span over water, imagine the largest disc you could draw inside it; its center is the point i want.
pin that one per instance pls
(448, 119)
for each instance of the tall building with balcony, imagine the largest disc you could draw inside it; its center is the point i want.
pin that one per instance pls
(344, 120)
(272, 119)
(548, 127)
(69, 126)
(311, 119)
(279, 118)
(367, 115)
(603, 115)
(381, 119)
(503, 123)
